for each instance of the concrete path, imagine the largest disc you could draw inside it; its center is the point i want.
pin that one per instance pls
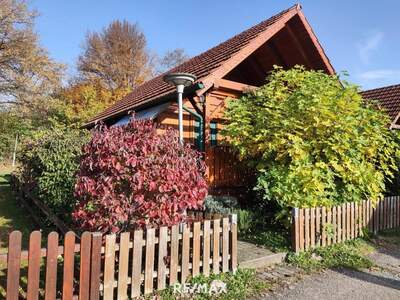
(381, 282)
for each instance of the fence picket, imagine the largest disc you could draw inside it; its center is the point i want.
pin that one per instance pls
(51, 266)
(329, 223)
(398, 210)
(295, 229)
(233, 245)
(206, 248)
(34, 265)
(344, 226)
(149, 261)
(13, 265)
(301, 228)
(307, 228)
(334, 225)
(185, 253)
(84, 277)
(216, 252)
(225, 245)
(318, 226)
(122, 291)
(162, 255)
(356, 219)
(312, 227)
(323, 226)
(109, 267)
(196, 249)
(95, 266)
(339, 223)
(173, 269)
(137, 263)
(68, 273)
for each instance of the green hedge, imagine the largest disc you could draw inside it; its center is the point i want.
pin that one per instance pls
(48, 164)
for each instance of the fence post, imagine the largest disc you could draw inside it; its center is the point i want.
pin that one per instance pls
(233, 242)
(295, 230)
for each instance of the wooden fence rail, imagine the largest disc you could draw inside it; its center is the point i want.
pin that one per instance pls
(126, 265)
(322, 226)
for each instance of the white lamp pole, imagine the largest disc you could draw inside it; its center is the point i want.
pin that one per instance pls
(180, 81)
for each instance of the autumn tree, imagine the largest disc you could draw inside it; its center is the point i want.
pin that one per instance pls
(83, 100)
(27, 75)
(117, 56)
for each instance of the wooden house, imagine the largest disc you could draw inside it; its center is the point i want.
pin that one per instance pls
(228, 69)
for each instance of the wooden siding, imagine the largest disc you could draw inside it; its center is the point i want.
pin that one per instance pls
(169, 118)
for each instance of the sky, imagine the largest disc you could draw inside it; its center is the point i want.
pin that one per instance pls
(360, 37)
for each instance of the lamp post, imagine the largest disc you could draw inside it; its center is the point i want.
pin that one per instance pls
(180, 81)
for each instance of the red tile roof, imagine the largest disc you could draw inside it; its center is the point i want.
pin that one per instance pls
(201, 65)
(388, 97)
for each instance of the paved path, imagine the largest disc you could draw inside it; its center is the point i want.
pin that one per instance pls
(381, 282)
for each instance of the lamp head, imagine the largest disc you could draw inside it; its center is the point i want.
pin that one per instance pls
(179, 79)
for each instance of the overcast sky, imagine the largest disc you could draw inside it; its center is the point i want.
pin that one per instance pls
(361, 37)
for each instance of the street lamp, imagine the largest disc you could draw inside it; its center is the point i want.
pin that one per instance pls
(180, 81)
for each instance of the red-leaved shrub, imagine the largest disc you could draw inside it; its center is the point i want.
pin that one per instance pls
(131, 176)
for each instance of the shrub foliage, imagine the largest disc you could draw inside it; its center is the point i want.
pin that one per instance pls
(48, 163)
(313, 140)
(132, 176)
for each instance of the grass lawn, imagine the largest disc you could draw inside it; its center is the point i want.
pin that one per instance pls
(12, 216)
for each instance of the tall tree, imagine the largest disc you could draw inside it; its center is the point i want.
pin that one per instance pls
(27, 75)
(117, 56)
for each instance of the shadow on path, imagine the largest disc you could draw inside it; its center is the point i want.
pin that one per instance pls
(372, 278)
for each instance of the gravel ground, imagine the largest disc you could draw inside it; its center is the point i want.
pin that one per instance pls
(381, 282)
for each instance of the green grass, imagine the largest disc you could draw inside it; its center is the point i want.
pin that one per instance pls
(240, 285)
(351, 254)
(12, 216)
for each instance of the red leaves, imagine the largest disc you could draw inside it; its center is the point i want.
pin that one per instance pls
(131, 176)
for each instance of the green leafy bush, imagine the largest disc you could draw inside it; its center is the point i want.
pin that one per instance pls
(48, 164)
(313, 140)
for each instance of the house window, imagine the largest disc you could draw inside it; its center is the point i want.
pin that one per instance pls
(213, 133)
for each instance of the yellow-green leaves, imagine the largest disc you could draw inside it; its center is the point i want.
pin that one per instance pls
(314, 141)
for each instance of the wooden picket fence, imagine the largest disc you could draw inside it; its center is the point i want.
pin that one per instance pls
(322, 226)
(127, 265)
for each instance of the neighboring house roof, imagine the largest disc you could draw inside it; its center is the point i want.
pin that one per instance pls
(212, 64)
(389, 99)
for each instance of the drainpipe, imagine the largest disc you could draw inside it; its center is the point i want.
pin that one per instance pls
(201, 124)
